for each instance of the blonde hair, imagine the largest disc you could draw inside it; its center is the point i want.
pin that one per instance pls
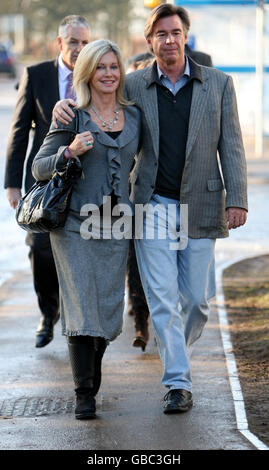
(85, 68)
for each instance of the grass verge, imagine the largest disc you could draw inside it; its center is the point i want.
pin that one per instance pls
(246, 290)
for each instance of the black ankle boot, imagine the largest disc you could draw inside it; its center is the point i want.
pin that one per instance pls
(82, 358)
(85, 405)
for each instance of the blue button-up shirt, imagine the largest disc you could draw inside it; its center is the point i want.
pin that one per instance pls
(181, 81)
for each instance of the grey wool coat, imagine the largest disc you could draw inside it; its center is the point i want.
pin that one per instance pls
(214, 176)
(106, 166)
(91, 271)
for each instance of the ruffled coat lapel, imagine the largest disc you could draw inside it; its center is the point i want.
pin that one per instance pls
(128, 133)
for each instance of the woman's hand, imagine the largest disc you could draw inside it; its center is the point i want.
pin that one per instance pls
(63, 112)
(81, 144)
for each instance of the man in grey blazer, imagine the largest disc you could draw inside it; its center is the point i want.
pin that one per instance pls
(191, 162)
(191, 156)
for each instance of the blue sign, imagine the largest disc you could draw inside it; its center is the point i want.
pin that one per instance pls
(218, 2)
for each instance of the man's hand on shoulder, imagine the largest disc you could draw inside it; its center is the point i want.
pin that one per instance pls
(13, 196)
(235, 216)
(63, 112)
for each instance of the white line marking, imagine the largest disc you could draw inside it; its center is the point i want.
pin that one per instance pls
(239, 405)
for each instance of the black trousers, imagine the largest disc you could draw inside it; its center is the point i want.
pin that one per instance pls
(44, 273)
(137, 297)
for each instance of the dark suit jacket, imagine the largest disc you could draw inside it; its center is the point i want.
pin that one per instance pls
(200, 57)
(37, 95)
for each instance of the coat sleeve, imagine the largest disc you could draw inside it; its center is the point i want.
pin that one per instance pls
(231, 151)
(50, 156)
(19, 133)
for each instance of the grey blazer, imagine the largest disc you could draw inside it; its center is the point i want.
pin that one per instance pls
(208, 186)
(106, 167)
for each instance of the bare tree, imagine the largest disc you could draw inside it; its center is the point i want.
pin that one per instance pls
(43, 16)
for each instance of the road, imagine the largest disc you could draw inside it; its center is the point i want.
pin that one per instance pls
(36, 386)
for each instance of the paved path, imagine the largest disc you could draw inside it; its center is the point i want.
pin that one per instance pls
(37, 396)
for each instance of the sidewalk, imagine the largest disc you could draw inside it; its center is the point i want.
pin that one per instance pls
(258, 171)
(37, 400)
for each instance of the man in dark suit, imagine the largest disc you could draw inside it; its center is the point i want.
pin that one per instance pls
(40, 87)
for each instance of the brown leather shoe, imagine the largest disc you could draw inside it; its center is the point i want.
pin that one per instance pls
(139, 341)
(141, 338)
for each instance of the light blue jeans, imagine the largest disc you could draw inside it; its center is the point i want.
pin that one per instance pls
(178, 285)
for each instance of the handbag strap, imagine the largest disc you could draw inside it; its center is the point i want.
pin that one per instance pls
(77, 120)
(76, 111)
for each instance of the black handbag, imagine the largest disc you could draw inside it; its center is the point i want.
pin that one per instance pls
(45, 206)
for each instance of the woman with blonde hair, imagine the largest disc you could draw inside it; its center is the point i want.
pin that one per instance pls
(91, 266)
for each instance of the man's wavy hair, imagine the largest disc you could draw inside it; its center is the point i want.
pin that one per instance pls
(162, 11)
